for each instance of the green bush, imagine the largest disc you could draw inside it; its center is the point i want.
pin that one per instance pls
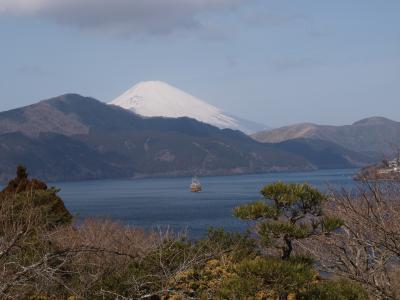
(334, 290)
(268, 276)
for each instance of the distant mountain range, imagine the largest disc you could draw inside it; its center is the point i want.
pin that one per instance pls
(72, 137)
(374, 137)
(159, 99)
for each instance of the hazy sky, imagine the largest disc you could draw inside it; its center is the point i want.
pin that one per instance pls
(273, 61)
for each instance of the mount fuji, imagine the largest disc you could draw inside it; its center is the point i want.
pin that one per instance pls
(159, 99)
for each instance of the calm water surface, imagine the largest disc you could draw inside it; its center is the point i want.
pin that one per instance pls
(168, 203)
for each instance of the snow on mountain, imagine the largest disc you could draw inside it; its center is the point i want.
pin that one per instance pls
(159, 99)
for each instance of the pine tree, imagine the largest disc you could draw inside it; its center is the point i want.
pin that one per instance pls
(287, 213)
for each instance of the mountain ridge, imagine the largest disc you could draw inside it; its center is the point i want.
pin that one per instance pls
(374, 135)
(107, 141)
(72, 137)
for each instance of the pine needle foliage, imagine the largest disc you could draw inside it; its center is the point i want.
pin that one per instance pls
(288, 212)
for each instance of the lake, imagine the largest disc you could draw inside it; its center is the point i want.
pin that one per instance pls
(167, 202)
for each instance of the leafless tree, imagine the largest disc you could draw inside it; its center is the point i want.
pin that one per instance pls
(28, 262)
(367, 248)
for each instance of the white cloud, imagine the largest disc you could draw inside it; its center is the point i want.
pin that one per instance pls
(122, 16)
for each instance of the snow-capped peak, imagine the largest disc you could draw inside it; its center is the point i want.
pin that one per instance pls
(159, 99)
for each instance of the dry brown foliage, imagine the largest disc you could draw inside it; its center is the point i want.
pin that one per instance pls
(101, 247)
(367, 248)
(97, 259)
(63, 260)
(25, 252)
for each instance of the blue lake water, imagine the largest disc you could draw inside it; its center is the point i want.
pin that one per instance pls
(167, 202)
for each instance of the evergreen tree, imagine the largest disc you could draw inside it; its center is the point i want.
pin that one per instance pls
(287, 213)
(22, 189)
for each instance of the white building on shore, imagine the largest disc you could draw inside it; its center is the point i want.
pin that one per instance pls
(393, 166)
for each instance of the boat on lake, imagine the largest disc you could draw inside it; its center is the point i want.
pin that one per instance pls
(196, 187)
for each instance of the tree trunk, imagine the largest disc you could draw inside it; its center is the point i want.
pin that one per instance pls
(287, 251)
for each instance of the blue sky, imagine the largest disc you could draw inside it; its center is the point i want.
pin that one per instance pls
(273, 61)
